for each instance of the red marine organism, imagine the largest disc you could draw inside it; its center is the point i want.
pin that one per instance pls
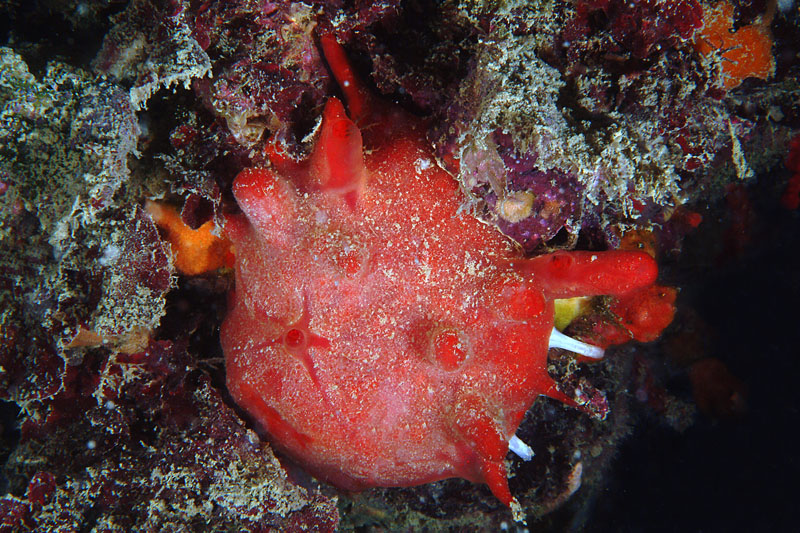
(717, 391)
(742, 218)
(645, 313)
(640, 315)
(790, 199)
(379, 334)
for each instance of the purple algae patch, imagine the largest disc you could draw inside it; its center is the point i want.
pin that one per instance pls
(535, 204)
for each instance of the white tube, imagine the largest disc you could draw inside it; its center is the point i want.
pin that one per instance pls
(559, 340)
(520, 448)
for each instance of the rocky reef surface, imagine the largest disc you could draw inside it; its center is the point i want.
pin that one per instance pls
(665, 126)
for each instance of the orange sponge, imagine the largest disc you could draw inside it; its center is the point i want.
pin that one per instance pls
(195, 251)
(744, 53)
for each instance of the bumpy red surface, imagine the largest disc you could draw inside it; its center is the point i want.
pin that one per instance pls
(381, 336)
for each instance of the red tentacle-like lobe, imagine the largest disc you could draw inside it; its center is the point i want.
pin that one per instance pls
(569, 274)
(337, 163)
(359, 100)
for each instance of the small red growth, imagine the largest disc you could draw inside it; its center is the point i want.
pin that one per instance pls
(640, 315)
(41, 488)
(686, 218)
(717, 392)
(790, 199)
(647, 312)
(742, 219)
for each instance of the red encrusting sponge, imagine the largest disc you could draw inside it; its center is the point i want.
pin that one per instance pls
(381, 336)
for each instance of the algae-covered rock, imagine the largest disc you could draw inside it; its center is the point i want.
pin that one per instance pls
(70, 231)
